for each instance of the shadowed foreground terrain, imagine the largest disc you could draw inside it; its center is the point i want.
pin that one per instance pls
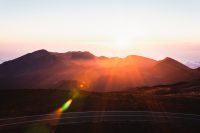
(114, 127)
(183, 97)
(33, 102)
(166, 98)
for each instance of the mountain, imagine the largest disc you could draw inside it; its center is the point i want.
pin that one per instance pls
(32, 61)
(74, 55)
(173, 71)
(80, 55)
(171, 62)
(44, 69)
(40, 69)
(138, 61)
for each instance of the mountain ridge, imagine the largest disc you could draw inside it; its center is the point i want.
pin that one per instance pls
(43, 69)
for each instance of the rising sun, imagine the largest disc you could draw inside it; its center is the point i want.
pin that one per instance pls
(122, 41)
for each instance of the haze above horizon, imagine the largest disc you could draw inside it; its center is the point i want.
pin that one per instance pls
(154, 29)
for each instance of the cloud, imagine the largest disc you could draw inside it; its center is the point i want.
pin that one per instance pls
(193, 64)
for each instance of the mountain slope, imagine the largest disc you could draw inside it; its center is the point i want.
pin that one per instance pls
(139, 61)
(31, 61)
(43, 69)
(173, 71)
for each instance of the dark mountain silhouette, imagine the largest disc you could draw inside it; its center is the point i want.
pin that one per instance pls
(29, 62)
(43, 69)
(173, 71)
(80, 55)
(171, 62)
(103, 57)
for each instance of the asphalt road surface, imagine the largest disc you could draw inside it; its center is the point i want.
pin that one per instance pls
(99, 116)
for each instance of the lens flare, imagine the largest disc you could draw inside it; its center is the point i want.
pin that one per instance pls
(66, 105)
(56, 115)
(49, 122)
(82, 85)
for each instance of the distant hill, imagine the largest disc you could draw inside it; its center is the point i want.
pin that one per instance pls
(44, 69)
(173, 71)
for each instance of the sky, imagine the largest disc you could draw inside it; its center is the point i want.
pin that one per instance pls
(151, 28)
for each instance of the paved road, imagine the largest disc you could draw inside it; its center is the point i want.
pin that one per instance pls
(99, 116)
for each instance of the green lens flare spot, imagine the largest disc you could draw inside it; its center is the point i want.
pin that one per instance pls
(66, 105)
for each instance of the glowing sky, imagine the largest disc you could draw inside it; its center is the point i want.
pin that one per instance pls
(152, 28)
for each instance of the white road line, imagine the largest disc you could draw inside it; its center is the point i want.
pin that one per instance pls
(97, 116)
(100, 112)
